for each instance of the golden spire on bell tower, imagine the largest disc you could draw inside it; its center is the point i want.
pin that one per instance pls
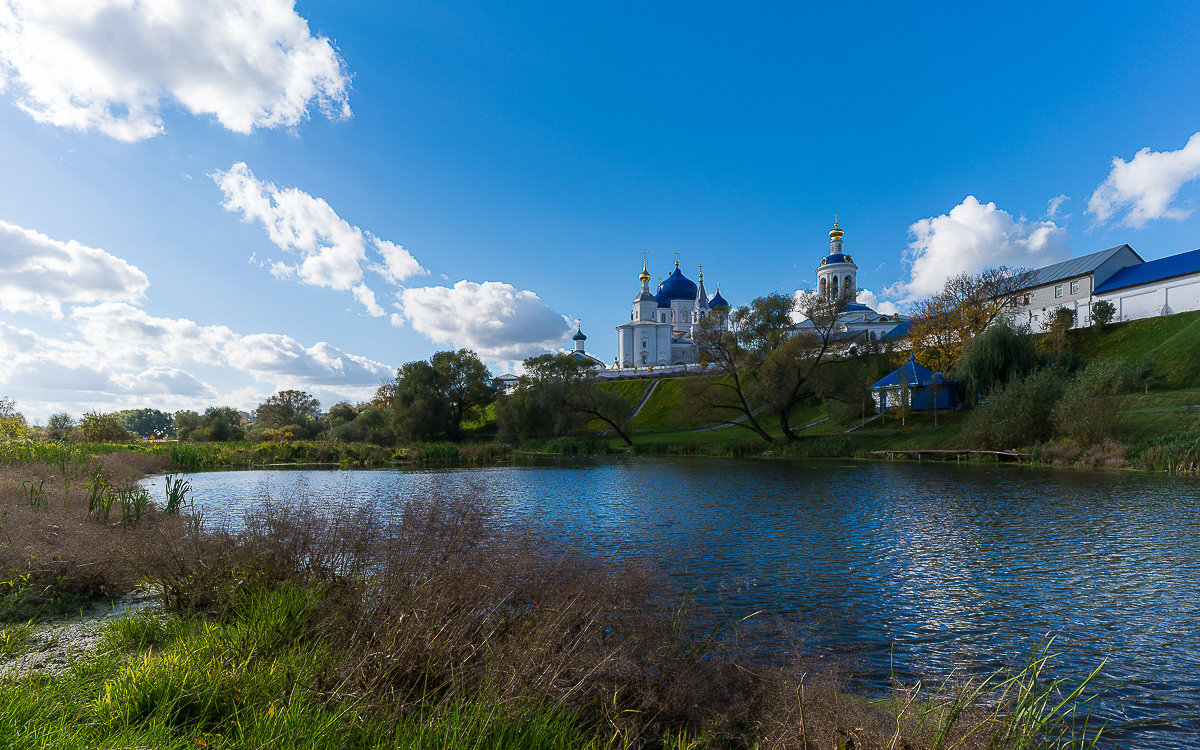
(835, 233)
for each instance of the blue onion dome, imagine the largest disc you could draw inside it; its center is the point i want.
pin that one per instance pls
(835, 258)
(717, 300)
(579, 336)
(662, 298)
(678, 286)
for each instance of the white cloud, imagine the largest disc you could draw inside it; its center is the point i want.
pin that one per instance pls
(366, 298)
(128, 337)
(494, 319)
(279, 358)
(332, 252)
(871, 300)
(970, 237)
(113, 65)
(168, 381)
(1055, 203)
(398, 264)
(1145, 186)
(38, 274)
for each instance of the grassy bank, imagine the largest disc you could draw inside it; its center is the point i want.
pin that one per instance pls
(323, 628)
(215, 455)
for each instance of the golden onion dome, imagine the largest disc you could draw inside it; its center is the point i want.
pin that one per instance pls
(835, 233)
(645, 275)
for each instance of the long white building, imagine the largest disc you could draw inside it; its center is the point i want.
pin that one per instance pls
(1136, 288)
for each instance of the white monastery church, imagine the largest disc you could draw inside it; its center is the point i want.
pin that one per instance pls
(662, 325)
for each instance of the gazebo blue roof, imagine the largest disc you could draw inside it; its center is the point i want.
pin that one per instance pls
(911, 373)
(1153, 270)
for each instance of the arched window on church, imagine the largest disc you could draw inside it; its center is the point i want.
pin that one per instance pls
(822, 292)
(664, 317)
(849, 291)
(833, 287)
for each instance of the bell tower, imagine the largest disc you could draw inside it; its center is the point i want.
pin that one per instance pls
(837, 276)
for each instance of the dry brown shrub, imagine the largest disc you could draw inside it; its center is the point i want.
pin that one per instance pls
(68, 557)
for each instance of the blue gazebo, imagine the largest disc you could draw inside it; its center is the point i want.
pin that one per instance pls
(922, 389)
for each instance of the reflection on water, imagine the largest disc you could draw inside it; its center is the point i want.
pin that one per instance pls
(905, 569)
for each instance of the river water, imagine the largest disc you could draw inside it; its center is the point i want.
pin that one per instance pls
(897, 569)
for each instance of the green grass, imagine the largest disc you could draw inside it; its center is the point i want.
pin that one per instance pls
(630, 390)
(1171, 341)
(251, 679)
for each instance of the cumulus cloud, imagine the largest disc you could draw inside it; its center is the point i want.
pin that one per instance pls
(331, 251)
(128, 337)
(496, 320)
(1144, 187)
(113, 65)
(871, 300)
(38, 274)
(168, 381)
(970, 237)
(280, 357)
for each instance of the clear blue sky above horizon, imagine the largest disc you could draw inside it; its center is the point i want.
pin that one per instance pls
(208, 201)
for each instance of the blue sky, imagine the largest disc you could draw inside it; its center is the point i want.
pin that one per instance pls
(204, 201)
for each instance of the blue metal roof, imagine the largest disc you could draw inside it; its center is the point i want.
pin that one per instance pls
(1154, 270)
(912, 373)
(855, 307)
(899, 332)
(1084, 264)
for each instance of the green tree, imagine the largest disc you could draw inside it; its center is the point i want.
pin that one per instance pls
(339, 414)
(289, 409)
(432, 399)
(1103, 313)
(765, 360)
(1093, 400)
(523, 413)
(1058, 330)
(466, 385)
(560, 390)
(218, 423)
(12, 422)
(999, 355)
(95, 427)
(147, 423)
(60, 426)
(372, 425)
(186, 422)
(1019, 414)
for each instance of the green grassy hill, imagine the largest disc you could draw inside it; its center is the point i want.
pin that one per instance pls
(1173, 342)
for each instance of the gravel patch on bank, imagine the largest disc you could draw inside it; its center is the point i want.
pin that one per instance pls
(54, 644)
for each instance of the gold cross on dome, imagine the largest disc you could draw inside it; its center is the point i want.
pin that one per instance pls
(676, 257)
